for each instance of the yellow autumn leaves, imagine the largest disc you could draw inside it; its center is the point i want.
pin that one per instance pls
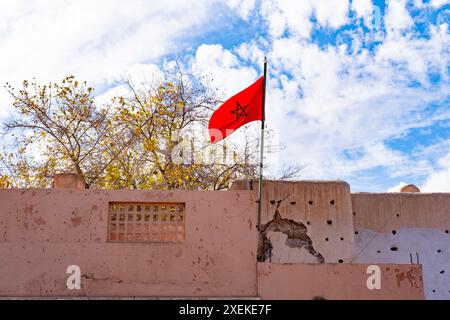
(127, 143)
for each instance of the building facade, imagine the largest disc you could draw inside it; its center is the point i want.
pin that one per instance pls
(316, 240)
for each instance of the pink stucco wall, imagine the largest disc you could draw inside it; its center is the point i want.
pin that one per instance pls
(389, 211)
(323, 207)
(338, 282)
(42, 232)
(405, 228)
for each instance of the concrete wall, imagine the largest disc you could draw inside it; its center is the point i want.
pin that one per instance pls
(337, 282)
(406, 228)
(402, 228)
(42, 232)
(322, 212)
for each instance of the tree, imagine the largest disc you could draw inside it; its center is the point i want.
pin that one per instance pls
(60, 124)
(18, 169)
(145, 139)
(166, 118)
(5, 180)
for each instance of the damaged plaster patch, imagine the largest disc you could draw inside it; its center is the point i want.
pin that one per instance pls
(39, 221)
(427, 246)
(296, 233)
(286, 254)
(90, 276)
(264, 247)
(409, 275)
(76, 220)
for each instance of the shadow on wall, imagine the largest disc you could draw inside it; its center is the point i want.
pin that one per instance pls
(406, 228)
(425, 246)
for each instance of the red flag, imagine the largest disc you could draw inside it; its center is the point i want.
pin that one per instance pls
(242, 108)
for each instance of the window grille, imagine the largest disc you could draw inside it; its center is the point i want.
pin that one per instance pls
(146, 222)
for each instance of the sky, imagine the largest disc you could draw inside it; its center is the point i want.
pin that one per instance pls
(357, 90)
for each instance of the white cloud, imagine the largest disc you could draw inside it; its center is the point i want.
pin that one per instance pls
(419, 55)
(397, 188)
(137, 75)
(95, 40)
(439, 181)
(294, 16)
(291, 15)
(435, 4)
(332, 13)
(363, 9)
(224, 67)
(397, 17)
(143, 73)
(439, 3)
(251, 52)
(325, 101)
(243, 7)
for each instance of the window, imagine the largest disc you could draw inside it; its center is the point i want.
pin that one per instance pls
(146, 222)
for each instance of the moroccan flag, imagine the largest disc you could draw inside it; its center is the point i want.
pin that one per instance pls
(242, 108)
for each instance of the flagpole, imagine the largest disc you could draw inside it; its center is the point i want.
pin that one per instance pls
(261, 156)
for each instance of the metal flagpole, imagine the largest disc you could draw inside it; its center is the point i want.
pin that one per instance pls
(261, 156)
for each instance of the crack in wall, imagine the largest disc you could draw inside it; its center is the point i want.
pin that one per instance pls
(90, 276)
(296, 237)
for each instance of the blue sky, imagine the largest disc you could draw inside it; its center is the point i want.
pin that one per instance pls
(358, 90)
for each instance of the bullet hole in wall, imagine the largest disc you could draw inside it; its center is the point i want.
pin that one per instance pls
(356, 232)
(439, 251)
(341, 261)
(308, 222)
(342, 239)
(354, 213)
(310, 202)
(332, 202)
(293, 203)
(329, 222)
(394, 248)
(378, 251)
(398, 216)
(446, 231)
(272, 201)
(442, 272)
(434, 291)
(326, 239)
(394, 232)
